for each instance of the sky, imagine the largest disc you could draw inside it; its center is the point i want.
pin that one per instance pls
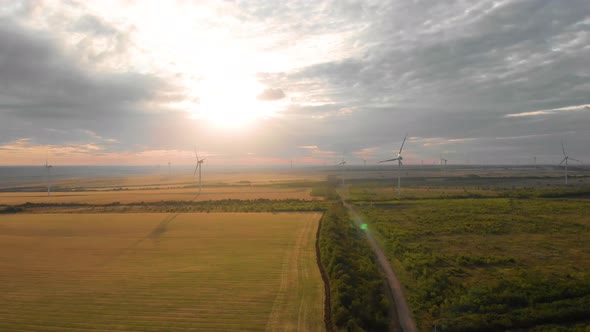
(313, 82)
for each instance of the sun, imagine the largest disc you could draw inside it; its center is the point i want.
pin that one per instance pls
(230, 101)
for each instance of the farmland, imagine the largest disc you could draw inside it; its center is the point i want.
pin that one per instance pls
(219, 185)
(156, 271)
(473, 259)
(475, 249)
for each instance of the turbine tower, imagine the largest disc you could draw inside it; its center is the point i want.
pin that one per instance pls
(342, 163)
(534, 160)
(48, 168)
(399, 165)
(198, 167)
(443, 162)
(565, 159)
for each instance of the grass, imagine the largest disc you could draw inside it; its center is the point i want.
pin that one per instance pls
(486, 263)
(153, 272)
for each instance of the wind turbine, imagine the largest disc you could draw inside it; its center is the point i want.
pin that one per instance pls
(399, 165)
(342, 163)
(534, 160)
(199, 166)
(565, 159)
(443, 162)
(48, 168)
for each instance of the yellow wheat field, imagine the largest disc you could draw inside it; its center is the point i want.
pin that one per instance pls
(160, 272)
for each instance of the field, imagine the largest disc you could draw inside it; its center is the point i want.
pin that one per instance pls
(154, 272)
(476, 249)
(135, 188)
(492, 262)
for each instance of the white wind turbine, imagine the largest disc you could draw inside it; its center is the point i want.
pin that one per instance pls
(198, 167)
(48, 168)
(399, 165)
(565, 159)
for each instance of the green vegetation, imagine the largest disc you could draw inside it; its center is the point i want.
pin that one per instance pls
(473, 181)
(10, 209)
(357, 291)
(366, 192)
(224, 205)
(502, 260)
(356, 286)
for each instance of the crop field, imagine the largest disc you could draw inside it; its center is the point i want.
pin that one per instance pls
(64, 179)
(488, 263)
(155, 272)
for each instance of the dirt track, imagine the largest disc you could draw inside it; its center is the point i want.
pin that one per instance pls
(403, 312)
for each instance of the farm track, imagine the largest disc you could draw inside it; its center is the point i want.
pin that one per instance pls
(404, 317)
(290, 307)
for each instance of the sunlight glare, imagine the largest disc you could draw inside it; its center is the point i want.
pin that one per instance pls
(229, 101)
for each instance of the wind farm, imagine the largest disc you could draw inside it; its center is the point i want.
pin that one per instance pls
(240, 166)
(158, 210)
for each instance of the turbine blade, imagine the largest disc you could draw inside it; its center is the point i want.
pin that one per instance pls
(388, 160)
(562, 148)
(195, 172)
(575, 159)
(401, 147)
(564, 159)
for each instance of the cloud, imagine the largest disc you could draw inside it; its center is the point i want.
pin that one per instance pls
(95, 136)
(93, 25)
(42, 80)
(359, 74)
(575, 108)
(366, 152)
(43, 86)
(271, 94)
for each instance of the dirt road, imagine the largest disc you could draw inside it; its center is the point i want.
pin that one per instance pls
(403, 312)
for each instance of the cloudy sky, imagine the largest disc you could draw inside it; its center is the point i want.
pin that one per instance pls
(265, 82)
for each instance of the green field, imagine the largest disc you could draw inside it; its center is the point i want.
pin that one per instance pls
(488, 263)
(155, 272)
